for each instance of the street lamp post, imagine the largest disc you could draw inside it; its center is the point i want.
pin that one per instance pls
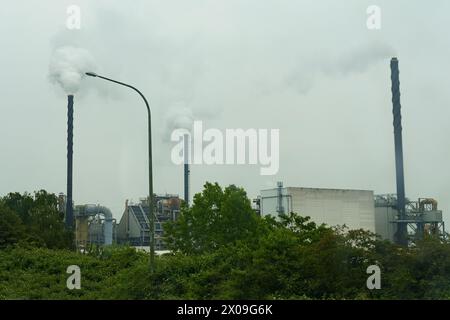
(150, 168)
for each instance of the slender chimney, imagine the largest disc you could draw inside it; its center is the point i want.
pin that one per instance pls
(69, 202)
(280, 208)
(402, 232)
(186, 154)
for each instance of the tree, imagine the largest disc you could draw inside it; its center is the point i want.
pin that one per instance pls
(217, 218)
(11, 228)
(38, 215)
(20, 204)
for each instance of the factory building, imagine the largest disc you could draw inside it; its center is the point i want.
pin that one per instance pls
(393, 217)
(134, 226)
(357, 209)
(354, 208)
(94, 224)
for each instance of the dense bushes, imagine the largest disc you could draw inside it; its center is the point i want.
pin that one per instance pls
(222, 250)
(329, 268)
(39, 273)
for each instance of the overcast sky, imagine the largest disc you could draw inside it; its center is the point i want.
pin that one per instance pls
(309, 68)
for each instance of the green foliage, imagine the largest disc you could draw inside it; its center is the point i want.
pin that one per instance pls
(33, 221)
(221, 250)
(11, 227)
(217, 218)
(38, 273)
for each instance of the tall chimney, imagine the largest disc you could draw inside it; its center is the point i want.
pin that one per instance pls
(402, 232)
(69, 202)
(280, 208)
(186, 154)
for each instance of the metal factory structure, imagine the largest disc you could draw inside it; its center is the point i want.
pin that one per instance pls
(421, 217)
(411, 219)
(134, 226)
(357, 209)
(394, 217)
(354, 208)
(94, 224)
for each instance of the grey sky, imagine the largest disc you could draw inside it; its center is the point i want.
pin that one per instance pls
(309, 68)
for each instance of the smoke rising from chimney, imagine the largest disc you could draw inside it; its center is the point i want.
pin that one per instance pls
(179, 116)
(353, 61)
(68, 65)
(359, 59)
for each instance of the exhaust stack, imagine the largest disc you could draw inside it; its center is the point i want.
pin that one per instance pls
(402, 232)
(69, 202)
(186, 154)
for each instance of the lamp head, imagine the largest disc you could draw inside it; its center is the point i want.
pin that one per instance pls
(91, 74)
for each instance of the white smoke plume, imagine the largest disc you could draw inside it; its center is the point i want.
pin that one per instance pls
(359, 59)
(68, 66)
(179, 116)
(354, 61)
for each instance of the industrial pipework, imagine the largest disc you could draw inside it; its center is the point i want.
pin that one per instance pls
(92, 210)
(402, 231)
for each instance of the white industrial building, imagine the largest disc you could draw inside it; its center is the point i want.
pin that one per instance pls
(357, 209)
(354, 208)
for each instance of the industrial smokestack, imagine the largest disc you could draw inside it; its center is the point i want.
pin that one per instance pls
(186, 154)
(69, 203)
(280, 208)
(402, 232)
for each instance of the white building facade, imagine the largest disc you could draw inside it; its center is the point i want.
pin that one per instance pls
(354, 208)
